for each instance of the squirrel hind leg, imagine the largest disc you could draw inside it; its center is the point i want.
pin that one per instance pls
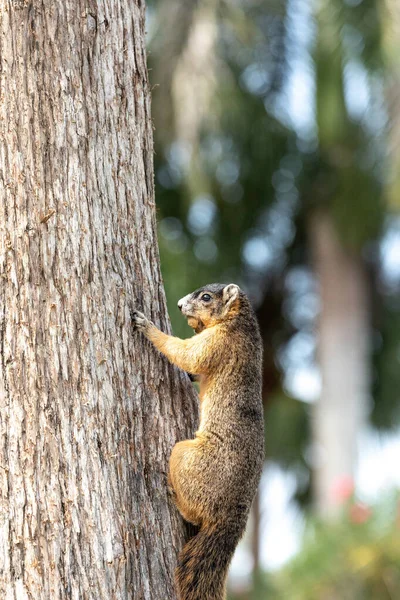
(188, 513)
(182, 485)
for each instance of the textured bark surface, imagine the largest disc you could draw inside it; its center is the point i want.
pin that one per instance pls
(88, 412)
(343, 348)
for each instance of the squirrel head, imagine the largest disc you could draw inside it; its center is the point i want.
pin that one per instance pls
(210, 305)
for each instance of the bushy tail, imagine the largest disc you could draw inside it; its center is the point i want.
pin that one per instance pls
(204, 561)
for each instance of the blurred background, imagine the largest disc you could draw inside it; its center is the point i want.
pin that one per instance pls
(277, 139)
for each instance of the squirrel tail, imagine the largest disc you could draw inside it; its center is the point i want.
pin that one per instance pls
(204, 561)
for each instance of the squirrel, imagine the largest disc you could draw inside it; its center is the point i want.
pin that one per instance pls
(213, 478)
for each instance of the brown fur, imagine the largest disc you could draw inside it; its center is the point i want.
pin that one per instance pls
(214, 476)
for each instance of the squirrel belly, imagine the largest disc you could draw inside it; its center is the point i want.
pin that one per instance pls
(214, 476)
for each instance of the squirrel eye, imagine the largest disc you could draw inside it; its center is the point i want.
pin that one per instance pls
(206, 297)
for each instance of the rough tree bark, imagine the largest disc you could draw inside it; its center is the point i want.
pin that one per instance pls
(88, 412)
(343, 348)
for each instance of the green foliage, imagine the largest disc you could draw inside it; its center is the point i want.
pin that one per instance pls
(386, 412)
(348, 164)
(288, 419)
(356, 558)
(230, 167)
(260, 182)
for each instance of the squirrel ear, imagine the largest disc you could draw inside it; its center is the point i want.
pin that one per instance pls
(230, 293)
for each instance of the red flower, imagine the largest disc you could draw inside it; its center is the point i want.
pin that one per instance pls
(342, 489)
(359, 513)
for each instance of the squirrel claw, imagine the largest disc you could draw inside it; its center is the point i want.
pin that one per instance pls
(139, 321)
(171, 492)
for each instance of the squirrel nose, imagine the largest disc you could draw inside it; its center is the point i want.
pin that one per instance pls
(180, 304)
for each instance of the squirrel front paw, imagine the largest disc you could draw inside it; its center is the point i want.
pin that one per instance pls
(139, 321)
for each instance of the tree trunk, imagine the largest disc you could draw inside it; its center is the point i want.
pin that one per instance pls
(88, 411)
(343, 337)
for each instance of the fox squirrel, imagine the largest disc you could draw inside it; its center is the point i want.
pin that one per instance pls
(214, 477)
